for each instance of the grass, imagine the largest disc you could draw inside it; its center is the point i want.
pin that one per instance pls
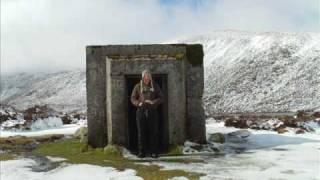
(76, 152)
(6, 156)
(175, 150)
(15, 144)
(23, 143)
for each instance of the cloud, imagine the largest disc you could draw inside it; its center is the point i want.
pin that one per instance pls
(50, 35)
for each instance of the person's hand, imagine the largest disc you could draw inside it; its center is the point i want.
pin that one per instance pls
(140, 104)
(148, 101)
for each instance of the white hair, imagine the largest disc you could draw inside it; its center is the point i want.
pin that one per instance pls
(144, 72)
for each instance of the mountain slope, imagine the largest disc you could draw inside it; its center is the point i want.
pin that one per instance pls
(263, 72)
(63, 91)
(244, 72)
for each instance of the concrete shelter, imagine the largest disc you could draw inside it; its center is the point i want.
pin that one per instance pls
(112, 72)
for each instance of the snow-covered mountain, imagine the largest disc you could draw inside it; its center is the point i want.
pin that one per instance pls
(64, 91)
(244, 72)
(263, 72)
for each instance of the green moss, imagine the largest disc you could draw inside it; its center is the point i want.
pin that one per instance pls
(6, 156)
(195, 54)
(71, 150)
(92, 49)
(85, 148)
(179, 56)
(112, 150)
(114, 56)
(175, 150)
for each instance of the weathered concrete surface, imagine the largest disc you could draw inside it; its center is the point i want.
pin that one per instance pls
(96, 98)
(195, 111)
(107, 67)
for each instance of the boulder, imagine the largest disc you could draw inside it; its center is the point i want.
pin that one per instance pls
(240, 136)
(240, 133)
(66, 119)
(316, 114)
(238, 123)
(217, 138)
(300, 131)
(281, 130)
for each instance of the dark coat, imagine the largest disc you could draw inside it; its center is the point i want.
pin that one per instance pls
(142, 92)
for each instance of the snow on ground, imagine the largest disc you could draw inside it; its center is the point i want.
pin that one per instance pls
(268, 155)
(64, 129)
(21, 169)
(47, 123)
(50, 125)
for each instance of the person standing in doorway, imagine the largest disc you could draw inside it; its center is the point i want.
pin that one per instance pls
(147, 96)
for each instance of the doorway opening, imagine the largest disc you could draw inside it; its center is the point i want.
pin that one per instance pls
(163, 139)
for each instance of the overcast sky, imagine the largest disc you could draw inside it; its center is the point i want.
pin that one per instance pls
(50, 35)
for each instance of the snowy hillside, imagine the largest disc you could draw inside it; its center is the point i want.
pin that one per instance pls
(263, 72)
(244, 71)
(63, 91)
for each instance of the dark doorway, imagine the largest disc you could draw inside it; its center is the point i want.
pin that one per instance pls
(161, 80)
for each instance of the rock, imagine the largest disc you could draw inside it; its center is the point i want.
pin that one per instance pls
(290, 122)
(38, 112)
(240, 136)
(270, 124)
(240, 133)
(4, 117)
(281, 130)
(316, 114)
(308, 126)
(78, 116)
(301, 114)
(300, 131)
(217, 137)
(238, 123)
(66, 119)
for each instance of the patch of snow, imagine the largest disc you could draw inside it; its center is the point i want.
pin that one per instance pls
(68, 129)
(311, 126)
(179, 178)
(56, 159)
(20, 169)
(270, 124)
(267, 155)
(46, 123)
(127, 154)
(12, 123)
(82, 122)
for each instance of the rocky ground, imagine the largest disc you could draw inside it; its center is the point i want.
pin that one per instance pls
(300, 121)
(36, 118)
